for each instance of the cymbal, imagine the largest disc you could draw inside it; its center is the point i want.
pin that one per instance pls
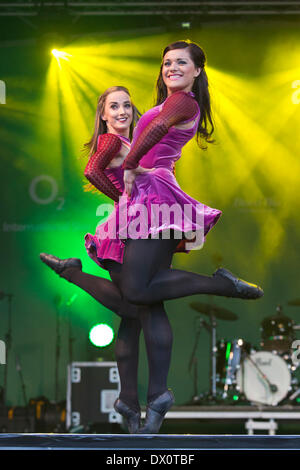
(295, 302)
(218, 312)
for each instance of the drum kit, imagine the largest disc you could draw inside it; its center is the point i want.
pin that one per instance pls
(244, 374)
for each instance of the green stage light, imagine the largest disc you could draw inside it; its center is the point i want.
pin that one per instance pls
(101, 335)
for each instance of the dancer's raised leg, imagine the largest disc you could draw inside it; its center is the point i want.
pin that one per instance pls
(144, 283)
(103, 290)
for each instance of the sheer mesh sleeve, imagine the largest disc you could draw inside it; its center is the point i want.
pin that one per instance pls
(177, 108)
(109, 145)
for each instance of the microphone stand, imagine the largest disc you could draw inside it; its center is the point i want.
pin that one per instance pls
(57, 302)
(213, 347)
(193, 360)
(71, 339)
(19, 369)
(7, 346)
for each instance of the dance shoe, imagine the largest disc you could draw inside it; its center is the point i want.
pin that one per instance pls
(243, 289)
(132, 418)
(155, 412)
(59, 265)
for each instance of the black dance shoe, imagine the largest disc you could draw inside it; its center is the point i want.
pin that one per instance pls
(132, 418)
(155, 412)
(59, 265)
(243, 289)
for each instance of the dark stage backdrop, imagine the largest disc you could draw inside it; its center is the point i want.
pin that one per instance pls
(251, 173)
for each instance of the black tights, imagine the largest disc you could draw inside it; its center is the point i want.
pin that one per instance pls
(144, 281)
(136, 293)
(154, 322)
(146, 278)
(152, 319)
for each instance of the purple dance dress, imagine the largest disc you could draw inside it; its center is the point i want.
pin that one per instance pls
(157, 202)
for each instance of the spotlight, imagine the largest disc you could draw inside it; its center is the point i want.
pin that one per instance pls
(101, 335)
(60, 54)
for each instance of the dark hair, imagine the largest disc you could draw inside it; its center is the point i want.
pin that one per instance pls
(200, 89)
(100, 125)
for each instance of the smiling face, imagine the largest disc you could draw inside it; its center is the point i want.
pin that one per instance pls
(179, 71)
(118, 113)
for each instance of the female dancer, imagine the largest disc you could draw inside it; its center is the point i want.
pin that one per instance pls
(107, 149)
(182, 110)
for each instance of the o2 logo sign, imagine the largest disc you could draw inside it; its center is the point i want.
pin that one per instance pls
(53, 191)
(2, 92)
(296, 94)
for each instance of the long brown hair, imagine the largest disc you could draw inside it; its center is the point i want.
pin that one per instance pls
(200, 89)
(100, 127)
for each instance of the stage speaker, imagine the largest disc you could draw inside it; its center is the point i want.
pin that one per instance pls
(92, 388)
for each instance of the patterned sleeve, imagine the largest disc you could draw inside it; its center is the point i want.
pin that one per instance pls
(179, 107)
(109, 145)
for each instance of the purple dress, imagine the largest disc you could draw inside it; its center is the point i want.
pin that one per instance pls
(157, 203)
(101, 248)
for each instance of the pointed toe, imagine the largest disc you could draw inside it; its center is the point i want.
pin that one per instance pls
(132, 417)
(242, 289)
(156, 411)
(59, 265)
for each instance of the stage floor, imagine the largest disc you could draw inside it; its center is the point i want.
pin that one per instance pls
(165, 442)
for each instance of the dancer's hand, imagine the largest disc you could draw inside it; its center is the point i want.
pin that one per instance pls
(130, 175)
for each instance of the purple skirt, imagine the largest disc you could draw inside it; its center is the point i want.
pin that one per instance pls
(100, 249)
(157, 204)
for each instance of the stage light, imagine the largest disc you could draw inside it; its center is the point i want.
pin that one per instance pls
(101, 335)
(60, 54)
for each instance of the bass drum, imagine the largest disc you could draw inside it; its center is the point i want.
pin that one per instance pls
(264, 378)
